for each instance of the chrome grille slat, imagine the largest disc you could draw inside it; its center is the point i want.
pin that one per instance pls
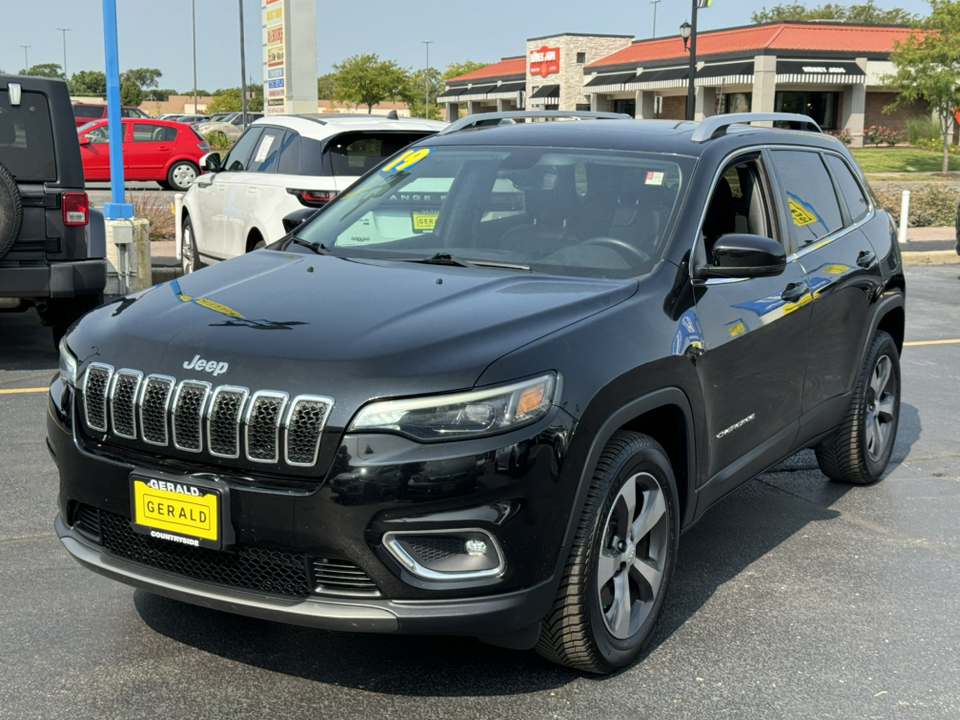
(198, 417)
(340, 577)
(223, 421)
(123, 402)
(189, 405)
(154, 407)
(264, 413)
(96, 385)
(304, 427)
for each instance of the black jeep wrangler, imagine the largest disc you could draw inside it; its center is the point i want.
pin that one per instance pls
(483, 391)
(52, 245)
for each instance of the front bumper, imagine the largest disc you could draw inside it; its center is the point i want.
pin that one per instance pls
(54, 280)
(374, 485)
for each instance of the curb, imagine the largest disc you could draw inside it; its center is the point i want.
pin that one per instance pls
(933, 257)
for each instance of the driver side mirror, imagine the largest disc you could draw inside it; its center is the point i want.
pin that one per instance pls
(740, 255)
(297, 218)
(84, 140)
(211, 162)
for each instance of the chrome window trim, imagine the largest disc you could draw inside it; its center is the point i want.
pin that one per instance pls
(414, 568)
(134, 402)
(166, 408)
(203, 407)
(328, 401)
(284, 399)
(245, 392)
(106, 393)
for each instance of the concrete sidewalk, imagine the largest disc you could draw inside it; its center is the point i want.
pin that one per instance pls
(924, 246)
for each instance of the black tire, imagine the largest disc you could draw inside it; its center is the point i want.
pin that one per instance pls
(189, 257)
(182, 174)
(861, 449)
(577, 630)
(11, 211)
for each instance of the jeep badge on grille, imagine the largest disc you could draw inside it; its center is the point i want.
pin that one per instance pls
(211, 366)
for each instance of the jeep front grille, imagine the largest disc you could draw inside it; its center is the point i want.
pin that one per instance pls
(194, 416)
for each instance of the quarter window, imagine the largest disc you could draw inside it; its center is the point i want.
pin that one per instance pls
(289, 163)
(145, 132)
(850, 189)
(811, 203)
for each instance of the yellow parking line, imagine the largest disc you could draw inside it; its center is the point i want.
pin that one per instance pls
(931, 342)
(19, 391)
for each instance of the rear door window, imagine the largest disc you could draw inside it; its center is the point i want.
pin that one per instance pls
(264, 158)
(26, 138)
(354, 153)
(147, 132)
(810, 201)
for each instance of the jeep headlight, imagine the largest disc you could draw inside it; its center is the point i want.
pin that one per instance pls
(467, 414)
(68, 365)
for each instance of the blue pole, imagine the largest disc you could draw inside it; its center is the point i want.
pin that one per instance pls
(118, 209)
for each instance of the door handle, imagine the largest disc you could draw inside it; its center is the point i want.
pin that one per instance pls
(794, 291)
(866, 259)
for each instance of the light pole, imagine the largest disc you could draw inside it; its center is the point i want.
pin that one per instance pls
(64, 31)
(26, 60)
(655, 3)
(243, 71)
(688, 31)
(193, 4)
(426, 82)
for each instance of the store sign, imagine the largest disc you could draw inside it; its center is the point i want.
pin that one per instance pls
(824, 70)
(545, 61)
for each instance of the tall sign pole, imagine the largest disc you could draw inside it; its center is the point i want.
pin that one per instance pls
(691, 85)
(118, 209)
(655, 3)
(426, 82)
(243, 69)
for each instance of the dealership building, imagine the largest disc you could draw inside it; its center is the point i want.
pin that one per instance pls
(832, 72)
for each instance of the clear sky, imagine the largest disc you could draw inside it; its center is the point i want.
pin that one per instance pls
(156, 33)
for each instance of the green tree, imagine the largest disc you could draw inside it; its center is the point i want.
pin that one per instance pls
(159, 94)
(457, 69)
(864, 14)
(231, 100)
(326, 87)
(419, 88)
(88, 82)
(927, 66)
(49, 70)
(145, 78)
(368, 80)
(130, 93)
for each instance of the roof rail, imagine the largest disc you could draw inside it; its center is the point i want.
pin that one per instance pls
(510, 118)
(717, 125)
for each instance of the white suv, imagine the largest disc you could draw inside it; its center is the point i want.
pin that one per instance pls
(279, 165)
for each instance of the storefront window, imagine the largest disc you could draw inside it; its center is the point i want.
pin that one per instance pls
(627, 107)
(736, 102)
(823, 107)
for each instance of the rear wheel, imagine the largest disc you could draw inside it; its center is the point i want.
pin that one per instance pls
(861, 449)
(623, 556)
(182, 174)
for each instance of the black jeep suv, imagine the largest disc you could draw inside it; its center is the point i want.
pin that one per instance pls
(52, 246)
(485, 390)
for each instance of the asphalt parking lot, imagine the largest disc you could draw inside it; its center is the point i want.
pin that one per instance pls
(793, 598)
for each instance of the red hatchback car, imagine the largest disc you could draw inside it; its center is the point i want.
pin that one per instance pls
(166, 152)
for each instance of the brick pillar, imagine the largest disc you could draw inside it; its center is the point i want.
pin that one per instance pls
(764, 83)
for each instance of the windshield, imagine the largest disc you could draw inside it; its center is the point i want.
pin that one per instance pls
(571, 212)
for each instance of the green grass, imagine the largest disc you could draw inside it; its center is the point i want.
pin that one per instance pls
(902, 160)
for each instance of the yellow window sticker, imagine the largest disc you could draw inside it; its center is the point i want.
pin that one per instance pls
(407, 160)
(424, 221)
(801, 216)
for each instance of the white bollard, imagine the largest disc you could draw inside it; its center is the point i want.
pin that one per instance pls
(904, 216)
(177, 207)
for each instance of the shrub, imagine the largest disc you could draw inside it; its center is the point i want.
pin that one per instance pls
(877, 134)
(930, 205)
(922, 128)
(936, 145)
(156, 208)
(843, 136)
(218, 140)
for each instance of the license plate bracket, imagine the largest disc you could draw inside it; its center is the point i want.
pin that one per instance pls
(186, 510)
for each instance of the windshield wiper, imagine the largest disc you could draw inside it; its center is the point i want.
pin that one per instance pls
(318, 249)
(448, 259)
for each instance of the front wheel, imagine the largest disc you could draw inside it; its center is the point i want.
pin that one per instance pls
(189, 258)
(621, 562)
(182, 174)
(861, 449)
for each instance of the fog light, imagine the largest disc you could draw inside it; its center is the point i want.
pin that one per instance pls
(475, 547)
(446, 555)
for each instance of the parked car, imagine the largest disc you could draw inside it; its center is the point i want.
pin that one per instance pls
(52, 245)
(170, 116)
(193, 119)
(232, 127)
(484, 392)
(217, 117)
(166, 152)
(282, 164)
(85, 112)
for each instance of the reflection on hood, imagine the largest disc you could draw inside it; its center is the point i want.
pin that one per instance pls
(234, 319)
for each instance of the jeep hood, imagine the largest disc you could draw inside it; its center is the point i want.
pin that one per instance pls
(353, 330)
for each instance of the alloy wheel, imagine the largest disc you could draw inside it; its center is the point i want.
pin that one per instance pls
(881, 402)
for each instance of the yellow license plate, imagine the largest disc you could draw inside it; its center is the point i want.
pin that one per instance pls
(170, 507)
(424, 221)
